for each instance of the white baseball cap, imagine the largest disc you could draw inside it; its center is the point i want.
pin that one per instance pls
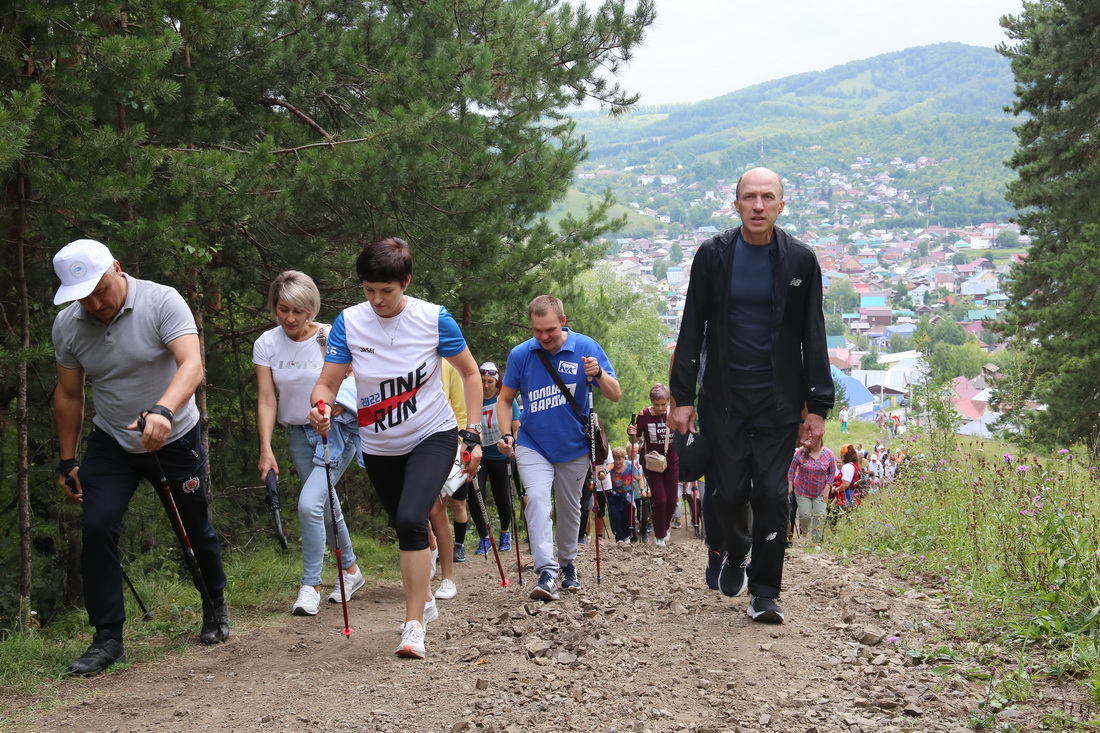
(489, 367)
(80, 265)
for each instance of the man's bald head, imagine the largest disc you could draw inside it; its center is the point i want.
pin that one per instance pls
(761, 174)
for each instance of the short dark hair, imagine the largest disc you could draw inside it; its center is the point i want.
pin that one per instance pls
(384, 261)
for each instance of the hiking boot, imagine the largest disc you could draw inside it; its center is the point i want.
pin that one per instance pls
(732, 578)
(412, 641)
(547, 588)
(714, 567)
(460, 552)
(99, 656)
(482, 547)
(215, 627)
(569, 578)
(308, 603)
(352, 583)
(446, 590)
(505, 542)
(765, 610)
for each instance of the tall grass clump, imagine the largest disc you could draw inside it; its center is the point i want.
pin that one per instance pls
(1013, 538)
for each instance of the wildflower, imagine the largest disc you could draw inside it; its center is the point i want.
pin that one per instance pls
(1022, 468)
(1063, 451)
(893, 639)
(1008, 458)
(1054, 587)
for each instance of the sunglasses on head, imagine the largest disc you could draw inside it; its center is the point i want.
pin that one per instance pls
(488, 372)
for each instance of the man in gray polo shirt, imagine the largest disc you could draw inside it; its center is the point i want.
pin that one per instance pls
(136, 343)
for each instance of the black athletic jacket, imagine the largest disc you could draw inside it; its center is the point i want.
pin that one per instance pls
(800, 357)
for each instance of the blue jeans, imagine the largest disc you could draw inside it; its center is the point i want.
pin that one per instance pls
(313, 505)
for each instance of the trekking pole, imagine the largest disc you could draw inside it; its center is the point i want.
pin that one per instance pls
(695, 502)
(515, 527)
(271, 481)
(335, 534)
(488, 527)
(147, 615)
(165, 494)
(595, 506)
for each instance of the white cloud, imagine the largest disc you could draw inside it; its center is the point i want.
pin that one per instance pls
(700, 49)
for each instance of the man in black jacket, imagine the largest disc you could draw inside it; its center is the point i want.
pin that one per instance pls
(754, 308)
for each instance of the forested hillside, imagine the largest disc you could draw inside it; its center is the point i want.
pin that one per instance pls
(944, 101)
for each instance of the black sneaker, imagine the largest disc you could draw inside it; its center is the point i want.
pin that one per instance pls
(99, 656)
(569, 578)
(766, 610)
(732, 578)
(460, 552)
(547, 587)
(714, 566)
(215, 628)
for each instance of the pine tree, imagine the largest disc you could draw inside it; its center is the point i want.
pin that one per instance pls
(1054, 315)
(212, 145)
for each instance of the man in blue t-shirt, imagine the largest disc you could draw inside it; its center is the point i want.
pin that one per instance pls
(551, 448)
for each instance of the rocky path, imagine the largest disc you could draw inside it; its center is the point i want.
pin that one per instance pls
(648, 649)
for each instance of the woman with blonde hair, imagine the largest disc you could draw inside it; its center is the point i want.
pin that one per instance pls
(288, 362)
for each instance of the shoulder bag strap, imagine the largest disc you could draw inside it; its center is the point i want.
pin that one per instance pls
(561, 385)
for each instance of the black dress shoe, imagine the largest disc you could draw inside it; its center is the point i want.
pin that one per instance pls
(215, 628)
(100, 656)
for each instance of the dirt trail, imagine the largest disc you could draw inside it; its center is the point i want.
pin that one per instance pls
(648, 649)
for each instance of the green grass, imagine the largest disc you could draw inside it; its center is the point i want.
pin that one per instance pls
(262, 584)
(1008, 539)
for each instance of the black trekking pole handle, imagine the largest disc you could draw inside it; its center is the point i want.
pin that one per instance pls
(271, 481)
(164, 492)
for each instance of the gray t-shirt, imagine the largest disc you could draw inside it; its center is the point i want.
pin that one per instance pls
(128, 363)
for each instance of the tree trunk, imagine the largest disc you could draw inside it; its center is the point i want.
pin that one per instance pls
(22, 419)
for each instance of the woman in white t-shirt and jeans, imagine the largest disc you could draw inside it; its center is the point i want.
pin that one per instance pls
(288, 362)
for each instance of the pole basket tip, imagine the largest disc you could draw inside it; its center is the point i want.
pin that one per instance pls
(347, 631)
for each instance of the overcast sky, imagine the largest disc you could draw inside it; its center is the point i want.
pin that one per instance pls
(700, 49)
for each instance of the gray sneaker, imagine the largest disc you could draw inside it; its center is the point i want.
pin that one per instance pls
(460, 552)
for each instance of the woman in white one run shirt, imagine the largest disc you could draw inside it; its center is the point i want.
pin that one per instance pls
(288, 362)
(395, 344)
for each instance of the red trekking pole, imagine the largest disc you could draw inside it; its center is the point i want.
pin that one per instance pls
(592, 418)
(488, 527)
(515, 527)
(335, 534)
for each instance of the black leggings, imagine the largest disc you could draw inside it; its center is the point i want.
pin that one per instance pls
(408, 485)
(494, 473)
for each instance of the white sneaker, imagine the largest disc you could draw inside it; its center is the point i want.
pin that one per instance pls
(309, 601)
(659, 541)
(435, 561)
(446, 590)
(431, 613)
(352, 583)
(412, 641)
